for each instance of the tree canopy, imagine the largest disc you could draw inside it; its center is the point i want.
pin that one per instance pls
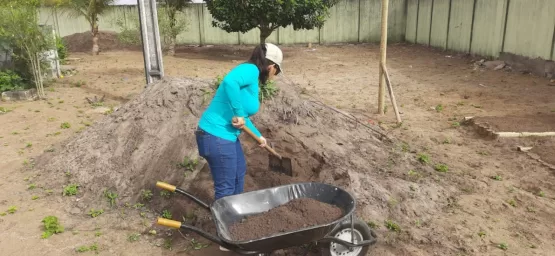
(268, 15)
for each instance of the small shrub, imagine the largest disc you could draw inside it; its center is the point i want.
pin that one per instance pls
(95, 213)
(441, 168)
(51, 226)
(146, 195)
(10, 81)
(12, 210)
(423, 158)
(70, 190)
(166, 214)
(133, 237)
(61, 49)
(65, 125)
(268, 90)
(392, 226)
(111, 196)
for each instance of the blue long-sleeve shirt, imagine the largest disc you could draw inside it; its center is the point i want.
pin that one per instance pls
(237, 96)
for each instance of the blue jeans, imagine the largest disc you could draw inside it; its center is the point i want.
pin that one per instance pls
(226, 161)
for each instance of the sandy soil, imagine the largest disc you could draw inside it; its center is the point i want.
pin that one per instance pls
(500, 197)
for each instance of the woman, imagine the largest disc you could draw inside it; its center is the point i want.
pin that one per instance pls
(237, 96)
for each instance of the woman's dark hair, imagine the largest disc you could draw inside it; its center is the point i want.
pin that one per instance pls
(258, 58)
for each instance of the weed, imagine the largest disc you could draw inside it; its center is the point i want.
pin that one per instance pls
(97, 233)
(32, 186)
(109, 111)
(392, 226)
(439, 108)
(512, 202)
(541, 193)
(188, 164)
(497, 177)
(455, 124)
(49, 150)
(165, 194)
(65, 125)
(503, 246)
(95, 213)
(530, 209)
(392, 202)
(84, 248)
(146, 195)
(460, 103)
(195, 245)
(166, 214)
(34, 197)
(28, 145)
(111, 196)
(168, 244)
(86, 123)
(15, 133)
(12, 210)
(49, 192)
(70, 190)
(4, 110)
(152, 232)
(423, 158)
(533, 246)
(441, 168)
(51, 226)
(142, 214)
(133, 237)
(405, 147)
(481, 234)
(138, 206)
(268, 90)
(413, 173)
(2, 214)
(373, 225)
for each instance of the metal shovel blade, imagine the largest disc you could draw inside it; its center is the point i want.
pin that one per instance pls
(281, 165)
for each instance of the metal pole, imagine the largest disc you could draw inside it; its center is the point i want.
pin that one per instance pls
(383, 56)
(152, 49)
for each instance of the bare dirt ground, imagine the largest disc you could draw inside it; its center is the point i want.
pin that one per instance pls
(501, 203)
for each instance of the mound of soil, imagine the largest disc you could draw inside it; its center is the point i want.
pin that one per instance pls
(147, 139)
(107, 41)
(294, 215)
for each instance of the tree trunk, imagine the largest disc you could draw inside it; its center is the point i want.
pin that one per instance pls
(171, 46)
(265, 32)
(95, 48)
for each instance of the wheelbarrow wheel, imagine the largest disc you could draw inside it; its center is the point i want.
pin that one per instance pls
(343, 231)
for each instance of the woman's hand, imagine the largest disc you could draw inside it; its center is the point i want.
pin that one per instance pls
(263, 140)
(238, 122)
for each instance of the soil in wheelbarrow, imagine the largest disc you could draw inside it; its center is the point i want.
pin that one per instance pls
(294, 215)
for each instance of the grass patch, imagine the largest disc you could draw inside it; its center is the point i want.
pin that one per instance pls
(392, 226)
(423, 158)
(441, 168)
(70, 190)
(95, 213)
(65, 125)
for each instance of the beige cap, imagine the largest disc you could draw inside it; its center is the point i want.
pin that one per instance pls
(274, 54)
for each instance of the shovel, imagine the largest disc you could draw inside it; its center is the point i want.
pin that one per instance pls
(276, 161)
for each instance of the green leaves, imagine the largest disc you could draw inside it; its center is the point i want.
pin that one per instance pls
(242, 16)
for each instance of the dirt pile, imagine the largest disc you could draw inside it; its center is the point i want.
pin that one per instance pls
(148, 138)
(294, 215)
(107, 41)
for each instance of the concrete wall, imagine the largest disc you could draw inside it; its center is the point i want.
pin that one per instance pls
(351, 21)
(484, 27)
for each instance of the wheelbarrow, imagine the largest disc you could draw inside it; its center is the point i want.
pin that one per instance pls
(346, 236)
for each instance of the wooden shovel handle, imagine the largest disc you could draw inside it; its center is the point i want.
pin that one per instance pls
(250, 133)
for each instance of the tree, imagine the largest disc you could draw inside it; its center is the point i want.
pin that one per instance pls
(267, 15)
(19, 28)
(90, 10)
(172, 21)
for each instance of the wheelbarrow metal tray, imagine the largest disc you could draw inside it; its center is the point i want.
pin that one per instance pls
(232, 209)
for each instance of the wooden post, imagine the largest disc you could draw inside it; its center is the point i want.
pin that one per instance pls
(383, 56)
(391, 95)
